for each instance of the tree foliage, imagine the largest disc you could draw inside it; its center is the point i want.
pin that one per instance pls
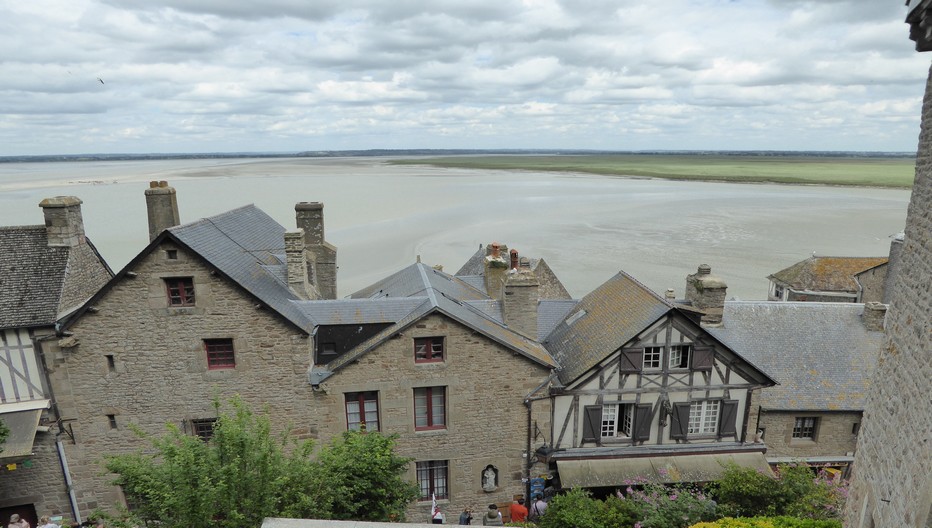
(795, 490)
(243, 474)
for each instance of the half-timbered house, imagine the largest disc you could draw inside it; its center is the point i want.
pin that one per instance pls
(645, 392)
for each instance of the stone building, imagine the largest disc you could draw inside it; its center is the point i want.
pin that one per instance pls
(644, 391)
(232, 304)
(831, 279)
(822, 356)
(48, 271)
(892, 484)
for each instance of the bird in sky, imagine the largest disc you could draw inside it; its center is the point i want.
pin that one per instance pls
(101, 80)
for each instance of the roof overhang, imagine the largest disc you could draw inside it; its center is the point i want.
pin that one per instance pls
(598, 473)
(22, 419)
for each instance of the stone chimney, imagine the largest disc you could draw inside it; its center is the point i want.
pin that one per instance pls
(707, 293)
(296, 259)
(64, 225)
(162, 208)
(520, 296)
(495, 269)
(873, 316)
(893, 265)
(322, 265)
(670, 295)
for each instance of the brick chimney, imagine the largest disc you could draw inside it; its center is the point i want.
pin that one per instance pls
(873, 316)
(162, 208)
(707, 293)
(495, 269)
(296, 259)
(322, 265)
(64, 225)
(520, 296)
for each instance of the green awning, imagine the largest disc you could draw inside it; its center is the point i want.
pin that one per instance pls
(616, 472)
(22, 419)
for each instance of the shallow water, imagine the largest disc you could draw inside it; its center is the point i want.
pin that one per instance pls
(587, 227)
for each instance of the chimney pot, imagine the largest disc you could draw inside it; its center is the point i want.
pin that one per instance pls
(705, 269)
(153, 184)
(514, 259)
(64, 225)
(670, 293)
(496, 250)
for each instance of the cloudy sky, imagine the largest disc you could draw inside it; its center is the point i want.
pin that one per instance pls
(89, 76)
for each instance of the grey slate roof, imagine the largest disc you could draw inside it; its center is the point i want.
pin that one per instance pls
(248, 246)
(550, 313)
(33, 277)
(835, 274)
(821, 353)
(603, 321)
(359, 311)
(432, 291)
(473, 272)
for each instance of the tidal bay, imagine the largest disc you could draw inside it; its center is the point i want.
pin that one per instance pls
(587, 227)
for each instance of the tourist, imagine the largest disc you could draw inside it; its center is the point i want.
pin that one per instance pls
(538, 507)
(17, 522)
(519, 512)
(44, 522)
(466, 517)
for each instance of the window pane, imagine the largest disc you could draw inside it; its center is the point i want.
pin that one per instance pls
(437, 404)
(420, 407)
(608, 420)
(352, 415)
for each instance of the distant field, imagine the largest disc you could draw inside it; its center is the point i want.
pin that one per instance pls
(866, 171)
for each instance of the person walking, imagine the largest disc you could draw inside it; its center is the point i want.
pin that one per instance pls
(44, 522)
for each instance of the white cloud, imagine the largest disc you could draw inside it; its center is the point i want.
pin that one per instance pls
(292, 75)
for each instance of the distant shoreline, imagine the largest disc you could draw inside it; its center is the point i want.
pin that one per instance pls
(396, 153)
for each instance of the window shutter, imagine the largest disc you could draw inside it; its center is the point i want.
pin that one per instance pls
(631, 359)
(643, 416)
(592, 423)
(679, 424)
(726, 425)
(703, 357)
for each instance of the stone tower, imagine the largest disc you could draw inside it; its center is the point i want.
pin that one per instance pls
(892, 481)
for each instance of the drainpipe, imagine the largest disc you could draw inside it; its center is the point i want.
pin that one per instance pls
(63, 460)
(68, 483)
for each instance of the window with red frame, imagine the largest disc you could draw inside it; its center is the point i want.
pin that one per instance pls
(430, 408)
(362, 411)
(220, 354)
(432, 479)
(428, 349)
(180, 291)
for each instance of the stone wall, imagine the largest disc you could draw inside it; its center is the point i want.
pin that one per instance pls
(159, 371)
(486, 384)
(872, 283)
(892, 484)
(835, 434)
(38, 482)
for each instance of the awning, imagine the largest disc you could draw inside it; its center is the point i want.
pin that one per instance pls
(22, 419)
(614, 472)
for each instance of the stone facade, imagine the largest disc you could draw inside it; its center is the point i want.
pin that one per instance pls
(872, 283)
(486, 419)
(892, 484)
(835, 435)
(140, 362)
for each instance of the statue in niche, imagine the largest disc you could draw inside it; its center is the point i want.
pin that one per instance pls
(490, 478)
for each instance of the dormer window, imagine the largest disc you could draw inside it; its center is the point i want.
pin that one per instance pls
(180, 291)
(428, 349)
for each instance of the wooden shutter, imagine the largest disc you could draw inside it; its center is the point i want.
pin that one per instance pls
(703, 357)
(592, 423)
(679, 424)
(631, 359)
(727, 423)
(643, 416)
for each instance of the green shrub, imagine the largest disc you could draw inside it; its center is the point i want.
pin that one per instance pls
(769, 522)
(794, 491)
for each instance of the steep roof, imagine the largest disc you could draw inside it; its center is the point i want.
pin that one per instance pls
(601, 322)
(33, 277)
(473, 272)
(425, 291)
(248, 246)
(826, 273)
(821, 353)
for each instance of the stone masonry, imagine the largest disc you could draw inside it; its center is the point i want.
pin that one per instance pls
(486, 419)
(892, 484)
(140, 362)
